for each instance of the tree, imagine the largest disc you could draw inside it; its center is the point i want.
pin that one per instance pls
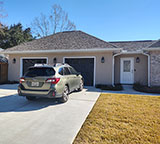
(14, 35)
(2, 15)
(1, 30)
(56, 21)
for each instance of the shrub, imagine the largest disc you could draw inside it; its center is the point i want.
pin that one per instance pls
(117, 87)
(10, 82)
(144, 88)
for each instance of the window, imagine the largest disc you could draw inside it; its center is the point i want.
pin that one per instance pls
(127, 66)
(61, 71)
(73, 71)
(66, 71)
(34, 72)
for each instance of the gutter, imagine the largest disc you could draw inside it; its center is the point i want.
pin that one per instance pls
(152, 49)
(113, 62)
(62, 51)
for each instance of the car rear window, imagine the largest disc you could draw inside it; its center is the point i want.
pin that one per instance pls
(34, 72)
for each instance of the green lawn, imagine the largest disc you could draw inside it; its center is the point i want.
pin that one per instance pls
(122, 118)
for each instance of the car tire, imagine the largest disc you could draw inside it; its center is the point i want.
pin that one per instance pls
(30, 98)
(81, 86)
(65, 95)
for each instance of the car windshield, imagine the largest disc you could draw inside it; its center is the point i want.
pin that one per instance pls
(34, 72)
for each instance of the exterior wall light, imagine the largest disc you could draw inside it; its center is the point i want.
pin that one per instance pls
(55, 60)
(14, 61)
(102, 60)
(137, 60)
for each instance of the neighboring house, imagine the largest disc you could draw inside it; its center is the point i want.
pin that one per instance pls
(3, 69)
(99, 62)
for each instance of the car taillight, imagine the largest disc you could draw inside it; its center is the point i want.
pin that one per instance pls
(21, 80)
(53, 80)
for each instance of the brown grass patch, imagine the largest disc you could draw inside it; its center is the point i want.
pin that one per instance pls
(121, 118)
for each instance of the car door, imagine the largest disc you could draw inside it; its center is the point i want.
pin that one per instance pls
(75, 76)
(69, 78)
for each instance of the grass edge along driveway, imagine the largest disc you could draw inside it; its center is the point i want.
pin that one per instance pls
(122, 118)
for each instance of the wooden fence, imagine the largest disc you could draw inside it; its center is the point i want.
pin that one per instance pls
(3, 72)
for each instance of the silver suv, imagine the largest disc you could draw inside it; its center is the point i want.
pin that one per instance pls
(48, 81)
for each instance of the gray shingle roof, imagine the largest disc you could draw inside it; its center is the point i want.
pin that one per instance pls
(156, 44)
(75, 40)
(64, 40)
(133, 45)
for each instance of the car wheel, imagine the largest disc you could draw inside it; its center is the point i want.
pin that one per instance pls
(65, 95)
(30, 98)
(81, 86)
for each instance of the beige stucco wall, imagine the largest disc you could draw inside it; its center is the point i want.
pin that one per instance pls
(141, 68)
(103, 71)
(155, 68)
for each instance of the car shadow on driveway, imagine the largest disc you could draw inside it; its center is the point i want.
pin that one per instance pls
(9, 86)
(15, 103)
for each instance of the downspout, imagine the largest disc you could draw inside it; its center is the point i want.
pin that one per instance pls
(149, 69)
(113, 62)
(113, 70)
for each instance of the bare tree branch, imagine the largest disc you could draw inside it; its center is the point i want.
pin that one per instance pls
(40, 26)
(70, 25)
(57, 21)
(2, 15)
(56, 13)
(2, 11)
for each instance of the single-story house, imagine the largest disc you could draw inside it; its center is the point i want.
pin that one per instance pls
(100, 62)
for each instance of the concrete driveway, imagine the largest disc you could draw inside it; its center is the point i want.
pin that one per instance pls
(43, 121)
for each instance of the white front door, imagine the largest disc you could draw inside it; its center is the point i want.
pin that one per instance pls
(127, 71)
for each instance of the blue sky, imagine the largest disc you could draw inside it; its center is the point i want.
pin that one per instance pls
(110, 20)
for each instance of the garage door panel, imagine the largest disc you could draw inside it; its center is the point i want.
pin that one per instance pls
(85, 66)
(31, 62)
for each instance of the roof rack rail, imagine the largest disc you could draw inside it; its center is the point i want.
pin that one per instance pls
(60, 64)
(37, 65)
